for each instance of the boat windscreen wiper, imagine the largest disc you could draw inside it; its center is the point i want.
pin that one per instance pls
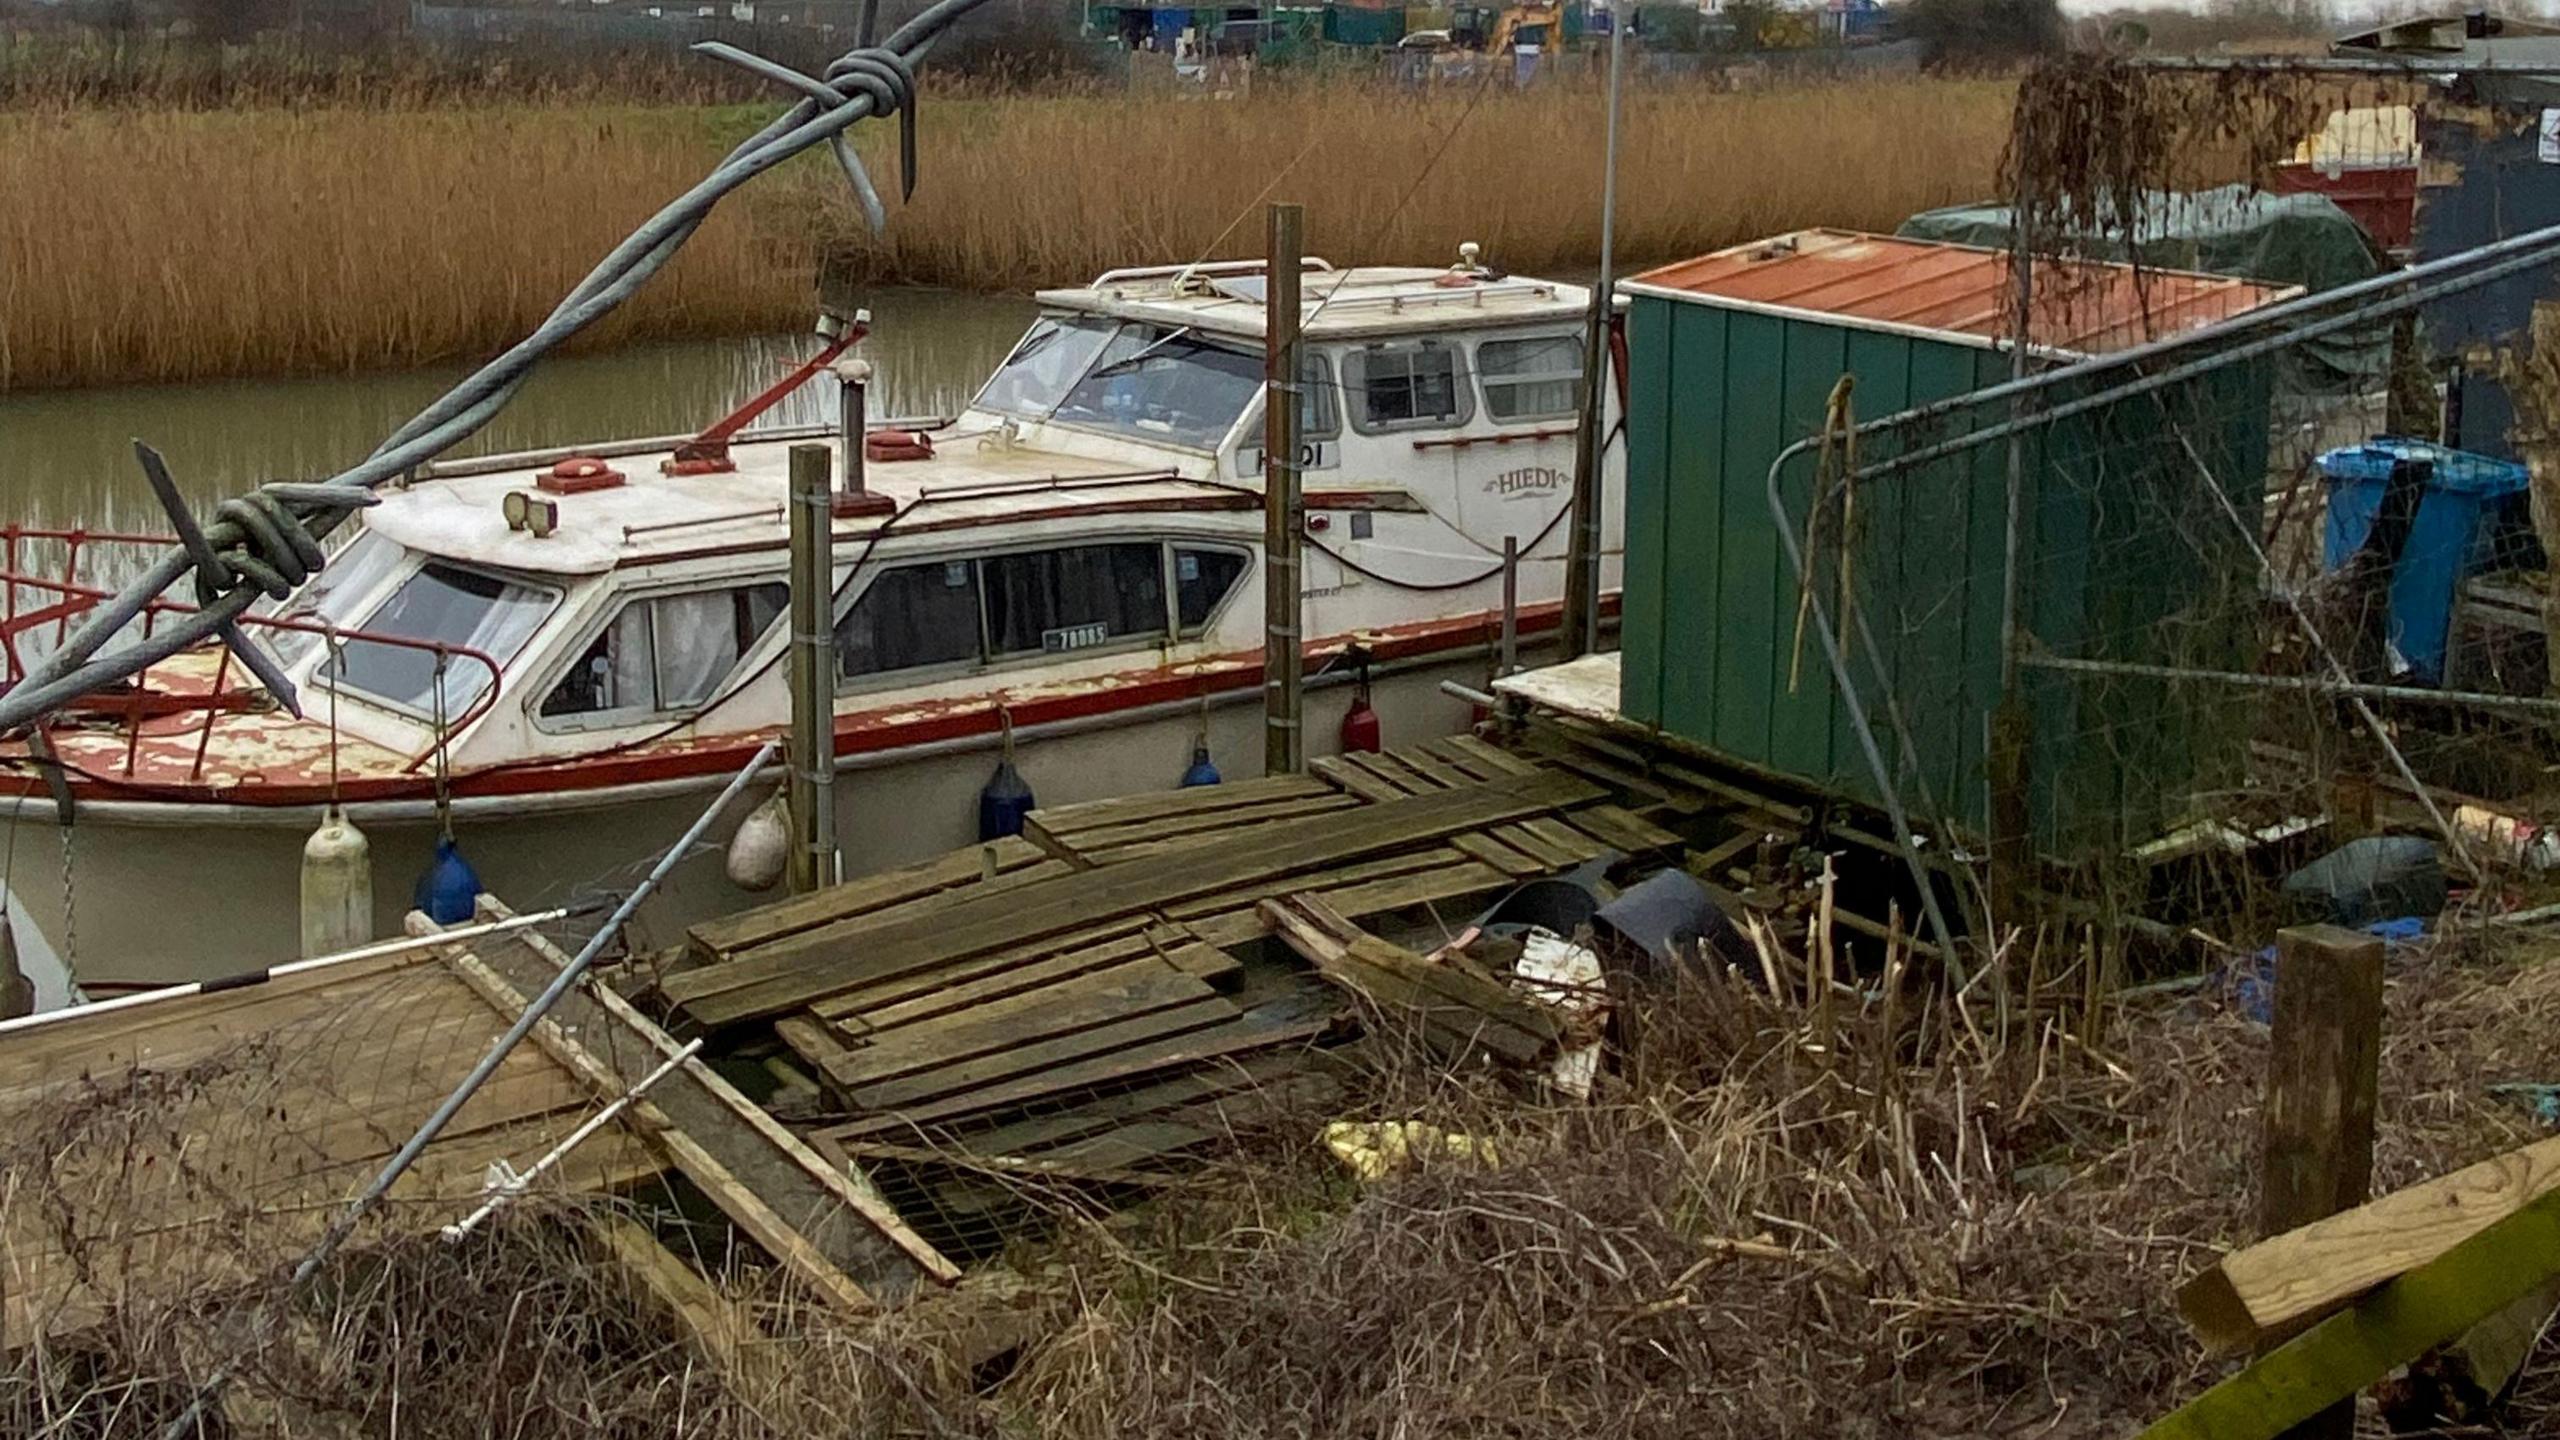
(1130, 362)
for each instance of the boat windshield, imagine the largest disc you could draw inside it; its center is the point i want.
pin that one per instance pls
(1147, 382)
(440, 605)
(348, 580)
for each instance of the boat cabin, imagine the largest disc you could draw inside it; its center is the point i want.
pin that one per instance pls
(1095, 511)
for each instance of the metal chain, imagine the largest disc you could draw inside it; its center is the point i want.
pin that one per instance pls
(70, 925)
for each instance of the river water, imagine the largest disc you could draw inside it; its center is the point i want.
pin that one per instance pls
(66, 456)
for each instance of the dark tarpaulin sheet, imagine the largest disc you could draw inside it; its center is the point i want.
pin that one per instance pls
(2303, 240)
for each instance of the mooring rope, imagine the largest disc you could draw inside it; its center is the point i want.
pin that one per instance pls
(274, 534)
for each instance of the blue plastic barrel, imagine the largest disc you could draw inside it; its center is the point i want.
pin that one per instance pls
(2468, 497)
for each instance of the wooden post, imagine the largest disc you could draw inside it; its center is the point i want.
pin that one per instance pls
(2322, 1061)
(813, 689)
(1284, 737)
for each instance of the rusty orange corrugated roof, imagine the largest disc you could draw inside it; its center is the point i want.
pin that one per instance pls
(2082, 307)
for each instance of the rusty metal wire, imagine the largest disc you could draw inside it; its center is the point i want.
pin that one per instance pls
(865, 82)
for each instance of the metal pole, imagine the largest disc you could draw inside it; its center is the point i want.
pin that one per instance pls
(1509, 661)
(185, 1425)
(1284, 737)
(813, 749)
(1582, 559)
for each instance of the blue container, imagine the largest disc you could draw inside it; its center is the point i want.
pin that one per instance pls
(2468, 499)
(1005, 803)
(449, 887)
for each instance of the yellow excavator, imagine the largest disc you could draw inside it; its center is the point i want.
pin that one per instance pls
(1501, 30)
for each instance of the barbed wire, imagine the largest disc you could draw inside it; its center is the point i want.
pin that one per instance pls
(866, 81)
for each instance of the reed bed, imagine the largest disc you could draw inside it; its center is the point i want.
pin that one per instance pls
(1064, 188)
(165, 246)
(158, 245)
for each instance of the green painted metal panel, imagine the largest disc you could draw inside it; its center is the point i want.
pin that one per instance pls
(1745, 596)
(1802, 697)
(1694, 552)
(1651, 368)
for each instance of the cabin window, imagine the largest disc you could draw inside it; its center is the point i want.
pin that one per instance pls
(667, 652)
(440, 605)
(1072, 599)
(1535, 379)
(332, 595)
(911, 616)
(1171, 386)
(1202, 579)
(1319, 404)
(1051, 357)
(1406, 387)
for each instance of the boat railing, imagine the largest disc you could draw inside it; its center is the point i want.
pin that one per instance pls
(61, 599)
(1307, 264)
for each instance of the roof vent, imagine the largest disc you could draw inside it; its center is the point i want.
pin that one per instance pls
(578, 474)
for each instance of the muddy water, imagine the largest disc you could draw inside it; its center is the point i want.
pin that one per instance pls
(66, 456)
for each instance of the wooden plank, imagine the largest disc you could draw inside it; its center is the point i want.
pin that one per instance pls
(848, 1007)
(958, 995)
(810, 1038)
(1103, 838)
(1464, 1008)
(741, 1204)
(715, 939)
(2459, 1383)
(1015, 1062)
(1411, 862)
(1359, 902)
(1109, 1112)
(1488, 756)
(2273, 1286)
(720, 1330)
(1128, 991)
(790, 974)
(2458, 1288)
(2324, 1051)
(1181, 947)
(1505, 858)
(1389, 771)
(1336, 770)
(1431, 767)
(1148, 1140)
(1623, 829)
(1066, 820)
(1473, 768)
(1238, 1037)
(700, 1097)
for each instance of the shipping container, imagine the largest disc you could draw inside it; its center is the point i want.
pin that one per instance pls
(1733, 357)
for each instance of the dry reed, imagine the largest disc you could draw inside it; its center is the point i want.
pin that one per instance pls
(1062, 188)
(161, 246)
(145, 245)
(1766, 1228)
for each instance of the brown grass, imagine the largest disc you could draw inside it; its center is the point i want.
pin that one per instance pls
(1066, 187)
(1983, 1242)
(157, 246)
(145, 245)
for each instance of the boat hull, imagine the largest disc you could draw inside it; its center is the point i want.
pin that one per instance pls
(146, 894)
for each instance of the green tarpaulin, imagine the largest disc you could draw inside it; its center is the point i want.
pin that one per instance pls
(2303, 240)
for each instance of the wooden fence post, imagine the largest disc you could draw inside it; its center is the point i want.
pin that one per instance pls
(2322, 1064)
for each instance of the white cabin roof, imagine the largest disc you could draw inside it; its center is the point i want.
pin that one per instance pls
(1356, 303)
(654, 516)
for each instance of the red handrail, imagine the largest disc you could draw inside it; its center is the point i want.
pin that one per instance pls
(141, 702)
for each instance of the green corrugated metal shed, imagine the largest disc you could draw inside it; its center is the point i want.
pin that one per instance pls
(1733, 358)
